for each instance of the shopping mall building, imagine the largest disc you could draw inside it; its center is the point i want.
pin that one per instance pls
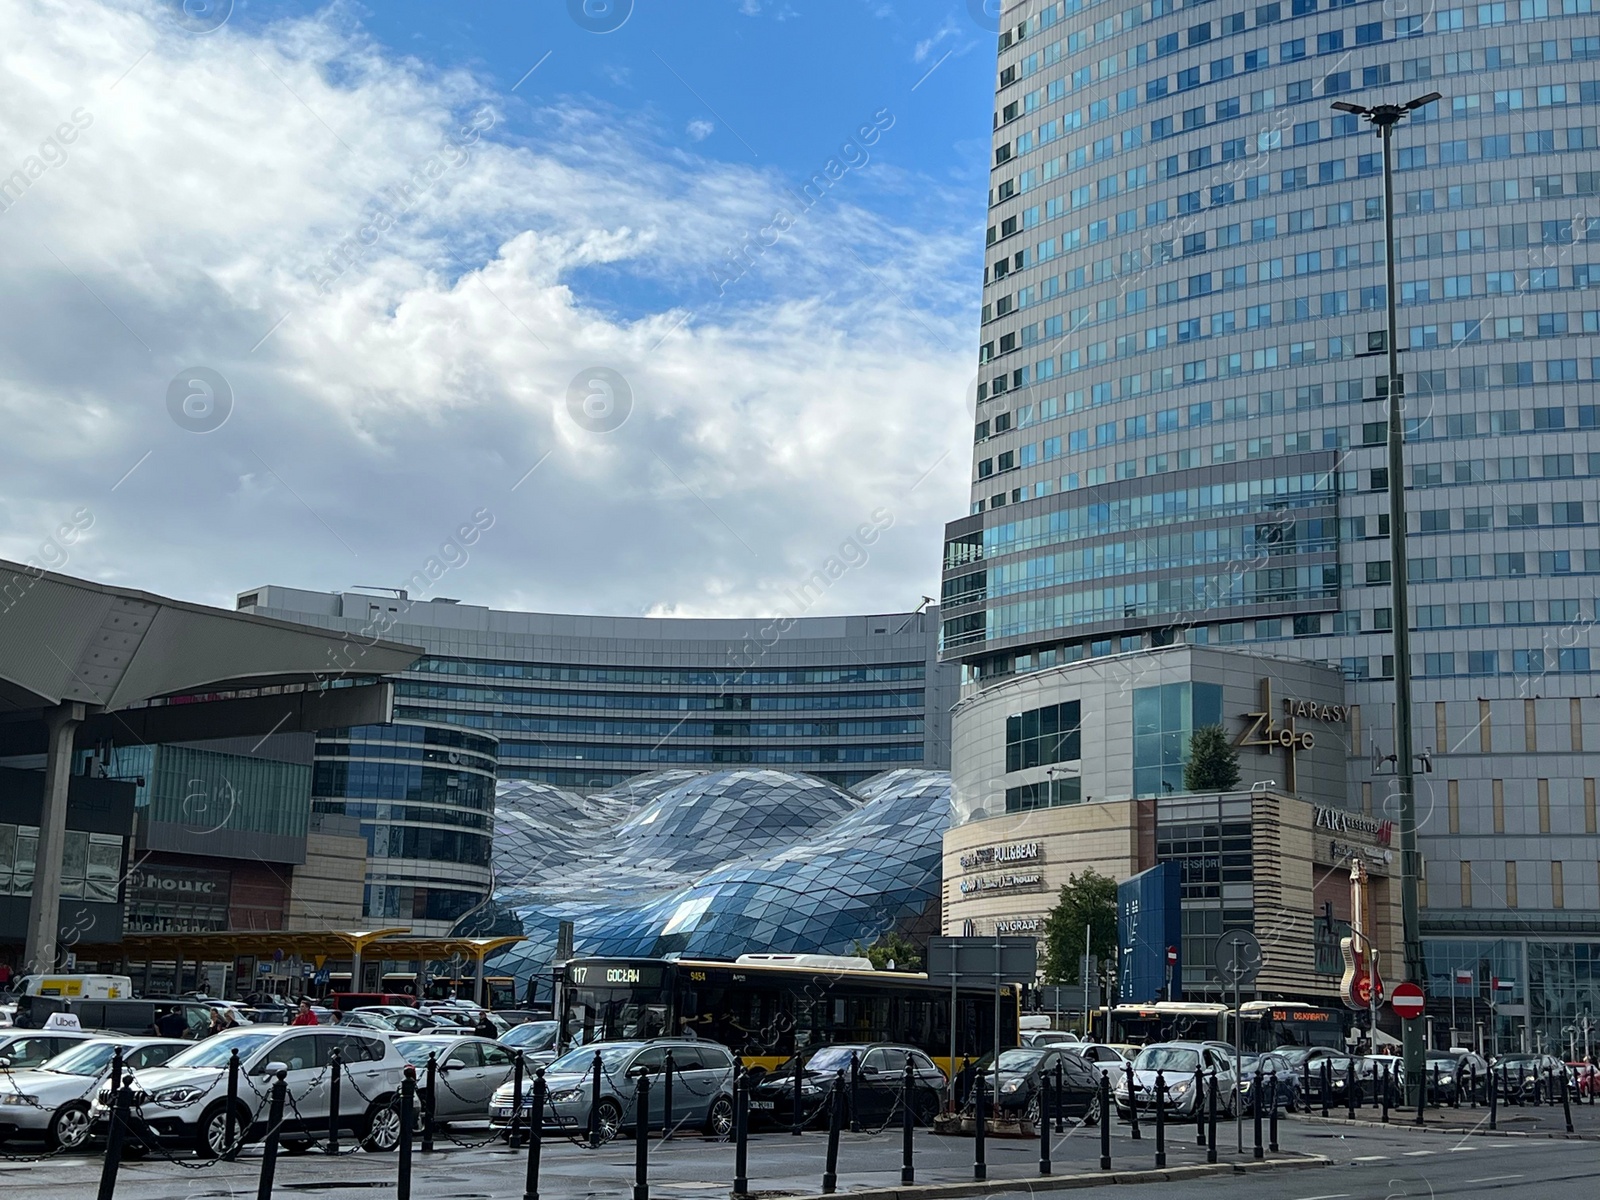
(1181, 405)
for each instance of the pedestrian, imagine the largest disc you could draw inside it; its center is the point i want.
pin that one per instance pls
(305, 1016)
(170, 1024)
(5, 975)
(485, 1027)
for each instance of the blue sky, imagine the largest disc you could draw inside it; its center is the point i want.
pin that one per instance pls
(406, 240)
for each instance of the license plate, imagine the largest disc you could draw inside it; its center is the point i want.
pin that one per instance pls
(767, 1104)
(503, 1113)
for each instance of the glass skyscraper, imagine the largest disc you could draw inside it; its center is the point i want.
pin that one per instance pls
(1181, 404)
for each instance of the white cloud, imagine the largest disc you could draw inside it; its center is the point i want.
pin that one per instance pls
(189, 225)
(926, 46)
(701, 130)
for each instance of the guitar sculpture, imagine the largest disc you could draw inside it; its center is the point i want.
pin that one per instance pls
(1361, 986)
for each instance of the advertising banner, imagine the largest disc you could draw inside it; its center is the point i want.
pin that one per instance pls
(1149, 936)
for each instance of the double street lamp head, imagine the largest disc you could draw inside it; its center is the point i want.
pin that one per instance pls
(1384, 115)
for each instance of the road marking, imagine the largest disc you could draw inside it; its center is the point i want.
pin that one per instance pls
(1417, 1153)
(1493, 1178)
(1329, 1196)
(1371, 1158)
(1459, 1149)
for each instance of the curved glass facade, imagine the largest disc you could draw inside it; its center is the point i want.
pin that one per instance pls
(424, 795)
(723, 864)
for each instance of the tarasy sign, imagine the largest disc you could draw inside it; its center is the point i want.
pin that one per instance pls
(1407, 1001)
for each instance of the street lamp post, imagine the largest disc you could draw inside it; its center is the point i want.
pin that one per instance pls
(1384, 118)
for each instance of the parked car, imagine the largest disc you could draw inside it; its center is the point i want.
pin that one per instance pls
(1108, 1059)
(1048, 1037)
(880, 1078)
(411, 1020)
(20, 1048)
(1585, 1078)
(184, 1104)
(1280, 1082)
(1448, 1072)
(1027, 1072)
(51, 1101)
(136, 1018)
(521, 1016)
(1177, 1062)
(1299, 1058)
(1526, 1077)
(702, 1089)
(466, 1073)
(345, 1001)
(536, 1040)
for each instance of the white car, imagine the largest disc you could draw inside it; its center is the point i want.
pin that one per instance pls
(185, 1104)
(52, 1101)
(1107, 1059)
(414, 1021)
(466, 1073)
(21, 1048)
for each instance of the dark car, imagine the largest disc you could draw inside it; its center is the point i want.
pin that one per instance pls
(1280, 1081)
(1025, 1074)
(1317, 1060)
(880, 1078)
(1452, 1075)
(1529, 1077)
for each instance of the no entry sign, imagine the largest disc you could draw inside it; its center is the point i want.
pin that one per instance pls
(1406, 1001)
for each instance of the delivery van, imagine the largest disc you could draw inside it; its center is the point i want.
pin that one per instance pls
(76, 987)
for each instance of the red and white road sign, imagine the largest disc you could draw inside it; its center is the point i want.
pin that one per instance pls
(1172, 956)
(1407, 1001)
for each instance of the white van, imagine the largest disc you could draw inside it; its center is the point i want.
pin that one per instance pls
(76, 987)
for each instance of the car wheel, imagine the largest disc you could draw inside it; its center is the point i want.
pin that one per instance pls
(213, 1133)
(719, 1118)
(1091, 1115)
(610, 1119)
(1033, 1110)
(383, 1127)
(69, 1128)
(295, 1145)
(926, 1108)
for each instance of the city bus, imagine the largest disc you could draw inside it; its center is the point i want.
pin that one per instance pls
(765, 1012)
(1263, 1024)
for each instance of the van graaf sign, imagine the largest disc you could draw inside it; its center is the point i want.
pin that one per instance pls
(987, 856)
(1019, 925)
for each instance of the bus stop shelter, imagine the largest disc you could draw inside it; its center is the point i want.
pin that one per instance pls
(318, 947)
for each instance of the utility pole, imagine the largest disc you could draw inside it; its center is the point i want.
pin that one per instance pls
(1384, 118)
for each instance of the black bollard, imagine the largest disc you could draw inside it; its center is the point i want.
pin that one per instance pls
(1105, 1121)
(741, 1137)
(1383, 1091)
(119, 1119)
(530, 1187)
(333, 1100)
(641, 1141)
(1161, 1118)
(1472, 1087)
(1133, 1102)
(428, 1102)
(1272, 1128)
(408, 1097)
(1211, 1119)
(1044, 1127)
(232, 1151)
(980, 1166)
(1350, 1089)
(798, 1120)
(269, 1148)
(855, 1092)
(1305, 1087)
(1566, 1103)
(666, 1097)
(830, 1170)
(1061, 1108)
(1199, 1108)
(1494, 1099)
(594, 1104)
(514, 1134)
(1255, 1115)
(1327, 1084)
(1422, 1093)
(907, 1099)
(1550, 1085)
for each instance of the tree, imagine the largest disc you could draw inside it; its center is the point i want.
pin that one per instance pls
(1213, 766)
(1088, 901)
(891, 947)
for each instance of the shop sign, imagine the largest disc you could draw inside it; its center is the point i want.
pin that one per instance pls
(999, 883)
(1341, 820)
(988, 855)
(174, 884)
(1019, 925)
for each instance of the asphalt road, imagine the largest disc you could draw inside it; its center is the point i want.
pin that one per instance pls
(1375, 1163)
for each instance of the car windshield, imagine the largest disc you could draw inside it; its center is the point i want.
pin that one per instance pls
(416, 1052)
(1167, 1058)
(1295, 1057)
(88, 1059)
(1517, 1060)
(832, 1058)
(372, 1020)
(579, 1061)
(532, 1035)
(214, 1052)
(1019, 1060)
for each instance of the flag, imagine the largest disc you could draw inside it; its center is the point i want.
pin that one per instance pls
(1466, 977)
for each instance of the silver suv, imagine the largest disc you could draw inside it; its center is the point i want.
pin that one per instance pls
(51, 1101)
(185, 1103)
(702, 1088)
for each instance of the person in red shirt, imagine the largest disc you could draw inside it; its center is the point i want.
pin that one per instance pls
(305, 1016)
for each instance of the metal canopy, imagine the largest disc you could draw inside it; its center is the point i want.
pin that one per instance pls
(64, 639)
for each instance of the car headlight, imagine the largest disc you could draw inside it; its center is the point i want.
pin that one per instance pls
(1122, 1086)
(1181, 1089)
(16, 1098)
(182, 1094)
(807, 1088)
(1010, 1085)
(569, 1095)
(1446, 1077)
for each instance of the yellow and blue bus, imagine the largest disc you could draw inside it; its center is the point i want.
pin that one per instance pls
(768, 1008)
